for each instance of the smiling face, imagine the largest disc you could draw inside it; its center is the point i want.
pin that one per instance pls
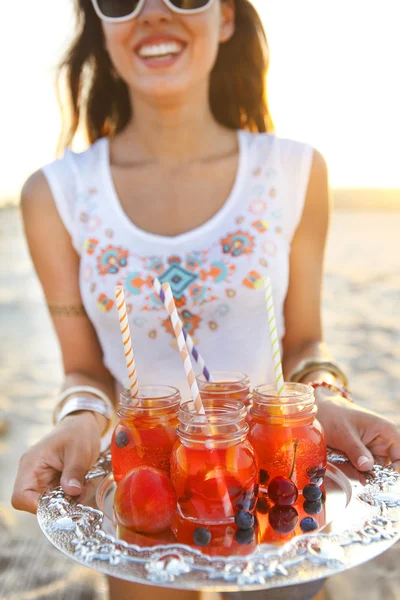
(160, 53)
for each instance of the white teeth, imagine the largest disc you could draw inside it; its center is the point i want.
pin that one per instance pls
(160, 49)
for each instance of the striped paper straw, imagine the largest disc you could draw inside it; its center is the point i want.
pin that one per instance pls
(194, 390)
(187, 365)
(273, 332)
(188, 338)
(127, 341)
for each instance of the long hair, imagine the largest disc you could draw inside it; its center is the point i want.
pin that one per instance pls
(92, 95)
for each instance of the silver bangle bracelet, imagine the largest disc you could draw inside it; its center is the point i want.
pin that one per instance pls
(77, 403)
(83, 389)
(93, 400)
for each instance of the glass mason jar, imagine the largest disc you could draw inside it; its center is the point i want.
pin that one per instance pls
(146, 432)
(287, 438)
(226, 384)
(213, 466)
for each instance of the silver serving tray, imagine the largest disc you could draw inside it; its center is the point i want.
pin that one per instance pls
(361, 520)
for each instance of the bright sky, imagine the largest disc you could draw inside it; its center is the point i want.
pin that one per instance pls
(333, 82)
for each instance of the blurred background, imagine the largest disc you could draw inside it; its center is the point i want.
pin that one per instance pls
(333, 84)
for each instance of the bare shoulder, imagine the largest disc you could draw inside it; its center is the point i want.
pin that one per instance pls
(36, 194)
(319, 168)
(318, 193)
(39, 211)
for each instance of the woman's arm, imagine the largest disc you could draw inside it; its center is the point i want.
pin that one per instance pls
(74, 444)
(361, 434)
(304, 338)
(57, 265)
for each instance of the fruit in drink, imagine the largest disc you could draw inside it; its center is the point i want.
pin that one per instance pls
(145, 500)
(283, 519)
(282, 491)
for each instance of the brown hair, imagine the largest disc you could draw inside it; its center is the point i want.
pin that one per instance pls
(98, 99)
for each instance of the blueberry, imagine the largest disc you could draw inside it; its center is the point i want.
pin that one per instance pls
(264, 477)
(312, 492)
(308, 524)
(201, 536)
(263, 506)
(122, 439)
(244, 536)
(244, 520)
(312, 508)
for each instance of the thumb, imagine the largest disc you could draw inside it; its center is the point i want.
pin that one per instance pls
(358, 454)
(76, 463)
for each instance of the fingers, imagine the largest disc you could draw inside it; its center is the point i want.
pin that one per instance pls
(77, 461)
(394, 455)
(26, 500)
(358, 454)
(26, 491)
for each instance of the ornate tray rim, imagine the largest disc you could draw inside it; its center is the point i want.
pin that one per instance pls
(76, 531)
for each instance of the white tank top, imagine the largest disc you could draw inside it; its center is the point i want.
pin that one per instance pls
(215, 271)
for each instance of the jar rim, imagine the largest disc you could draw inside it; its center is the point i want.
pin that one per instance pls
(223, 421)
(296, 402)
(293, 393)
(163, 396)
(225, 377)
(230, 407)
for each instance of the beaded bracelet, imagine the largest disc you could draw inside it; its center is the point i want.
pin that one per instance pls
(343, 391)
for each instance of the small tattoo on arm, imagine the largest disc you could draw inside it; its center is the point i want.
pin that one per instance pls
(67, 311)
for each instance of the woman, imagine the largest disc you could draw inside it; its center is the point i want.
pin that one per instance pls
(180, 181)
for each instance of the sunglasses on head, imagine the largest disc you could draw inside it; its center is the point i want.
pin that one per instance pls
(115, 11)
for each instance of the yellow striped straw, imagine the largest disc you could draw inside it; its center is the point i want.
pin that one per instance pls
(127, 341)
(187, 365)
(273, 332)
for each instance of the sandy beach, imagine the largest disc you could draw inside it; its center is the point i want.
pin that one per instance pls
(362, 327)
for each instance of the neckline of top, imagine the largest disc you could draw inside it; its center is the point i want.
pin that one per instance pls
(197, 231)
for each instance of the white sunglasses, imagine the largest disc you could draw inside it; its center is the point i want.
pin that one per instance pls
(117, 11)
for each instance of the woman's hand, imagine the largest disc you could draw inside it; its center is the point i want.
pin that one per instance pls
(70, 450)
(359, 433)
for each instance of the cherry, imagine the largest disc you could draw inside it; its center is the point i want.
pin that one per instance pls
(282, 491)
(283, 519)
(312, 492)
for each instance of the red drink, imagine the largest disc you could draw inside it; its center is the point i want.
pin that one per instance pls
(213, 466)
(286, 436)
(145, 433)
(226, 385)
(223, 540)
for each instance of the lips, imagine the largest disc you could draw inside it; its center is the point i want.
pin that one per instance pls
(159, 47)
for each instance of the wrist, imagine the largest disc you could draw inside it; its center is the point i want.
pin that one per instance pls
(325, 392)
(321, 376)
(89, 416)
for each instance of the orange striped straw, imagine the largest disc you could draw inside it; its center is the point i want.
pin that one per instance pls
(187, 365)
(127, 341)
